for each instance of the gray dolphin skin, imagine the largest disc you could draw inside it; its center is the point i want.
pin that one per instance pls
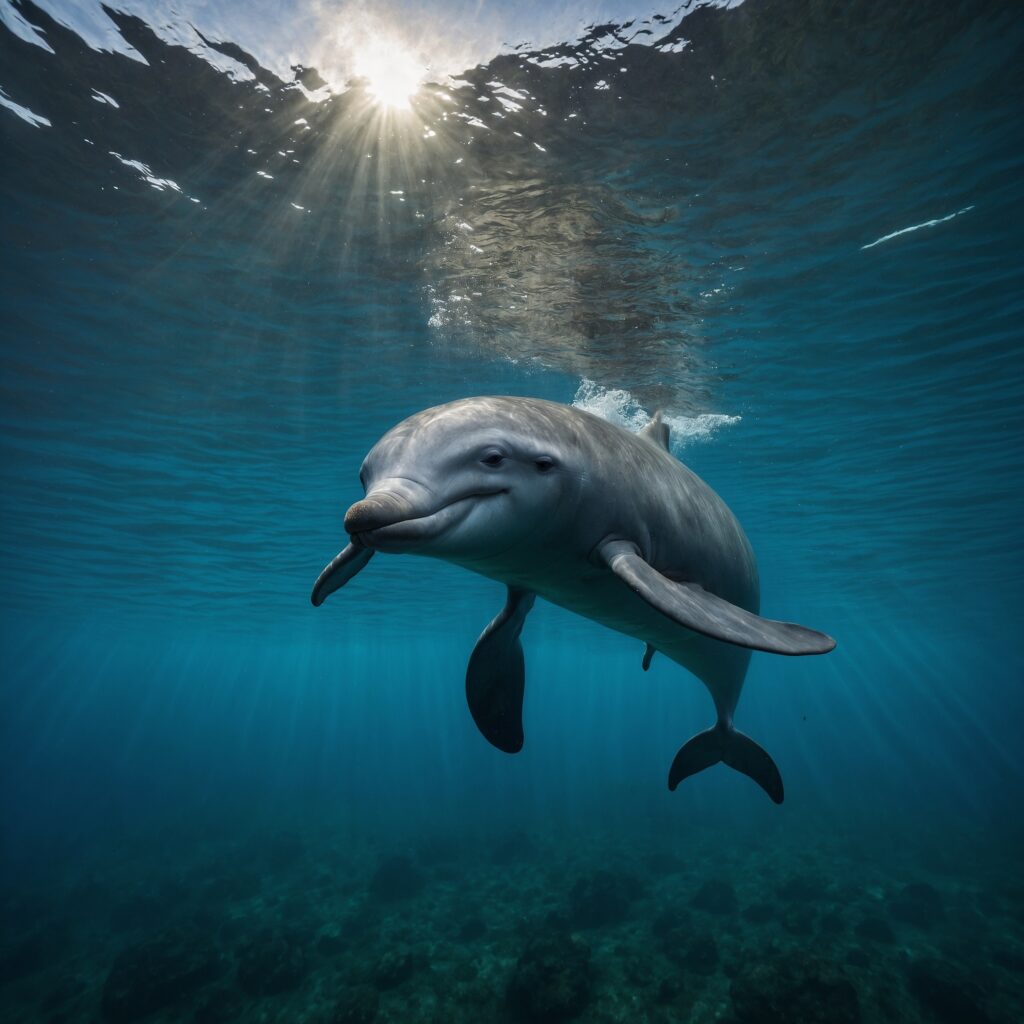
(555, 502)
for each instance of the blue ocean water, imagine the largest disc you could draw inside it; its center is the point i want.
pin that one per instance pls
(794, 227)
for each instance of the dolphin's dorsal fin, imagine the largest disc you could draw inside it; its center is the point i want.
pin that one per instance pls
(656, 431)
(690, 605)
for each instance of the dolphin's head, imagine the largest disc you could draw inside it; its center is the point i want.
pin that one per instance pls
(467, 481)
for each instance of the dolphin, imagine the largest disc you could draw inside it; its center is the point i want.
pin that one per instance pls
(555, 502)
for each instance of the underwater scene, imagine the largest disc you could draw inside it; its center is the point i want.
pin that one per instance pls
(602, 366)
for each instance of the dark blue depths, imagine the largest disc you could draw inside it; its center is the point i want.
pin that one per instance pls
(220, 804)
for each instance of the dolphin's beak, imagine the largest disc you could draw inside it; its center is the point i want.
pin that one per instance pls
(383, 508)
(340, 570)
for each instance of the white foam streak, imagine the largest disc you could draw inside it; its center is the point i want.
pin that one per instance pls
(34, 119)
(91, 23)
(916, 227)
(147, 175)
(21, 27)
(618, 406)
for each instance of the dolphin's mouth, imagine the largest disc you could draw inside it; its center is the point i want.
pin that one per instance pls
(412, 530)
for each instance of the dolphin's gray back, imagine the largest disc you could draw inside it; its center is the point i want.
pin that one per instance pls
(642, 491)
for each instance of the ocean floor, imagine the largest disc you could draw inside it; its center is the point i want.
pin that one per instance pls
(303, 925)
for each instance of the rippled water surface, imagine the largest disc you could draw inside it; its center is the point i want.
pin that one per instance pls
(241, 242)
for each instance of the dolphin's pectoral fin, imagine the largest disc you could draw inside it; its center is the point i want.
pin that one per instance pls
(657, 431)
(496, 676)
(723, 743)
(648, 655)
(695, 608)
(340, 570)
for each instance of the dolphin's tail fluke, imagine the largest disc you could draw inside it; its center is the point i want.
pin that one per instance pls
(724, 743)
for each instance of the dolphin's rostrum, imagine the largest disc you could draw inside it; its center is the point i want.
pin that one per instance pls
(556, 502)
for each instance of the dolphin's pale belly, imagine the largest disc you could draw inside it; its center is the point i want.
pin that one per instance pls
(597, 595)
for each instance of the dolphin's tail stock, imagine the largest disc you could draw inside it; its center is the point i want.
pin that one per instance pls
(723, 743)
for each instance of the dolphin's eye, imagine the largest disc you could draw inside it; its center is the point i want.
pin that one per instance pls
(544, 463)
(493, 459)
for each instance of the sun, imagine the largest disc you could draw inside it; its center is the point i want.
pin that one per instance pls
(392, 74)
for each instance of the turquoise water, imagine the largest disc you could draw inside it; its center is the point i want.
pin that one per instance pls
(798, 234)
